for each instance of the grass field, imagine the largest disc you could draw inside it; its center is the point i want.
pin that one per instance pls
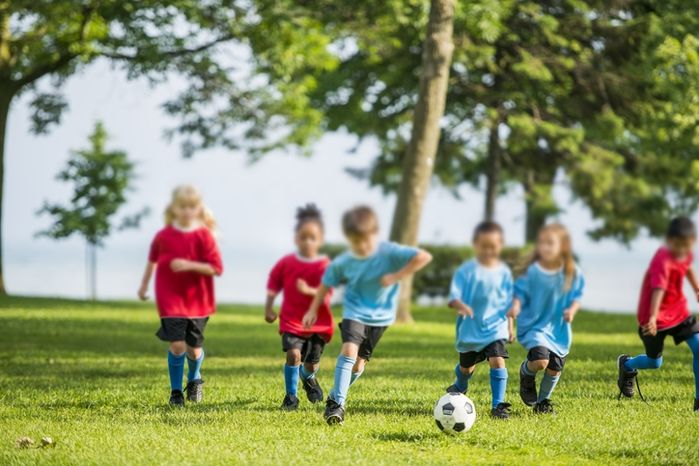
(93, 377)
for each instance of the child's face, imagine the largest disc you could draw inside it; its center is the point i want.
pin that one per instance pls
(309, 239)
(487, 247)
(548, 247)
(186, 212)
(680, 247)
(363, 245)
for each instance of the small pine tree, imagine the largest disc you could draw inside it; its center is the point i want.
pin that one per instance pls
(101, 180)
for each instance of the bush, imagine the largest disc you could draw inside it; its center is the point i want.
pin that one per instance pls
(434, 280)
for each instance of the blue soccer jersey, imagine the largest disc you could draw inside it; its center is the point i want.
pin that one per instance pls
(488, 291)
(544, 300)
(365, 300)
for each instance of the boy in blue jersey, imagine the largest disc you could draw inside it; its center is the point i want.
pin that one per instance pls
(481, 294)
(370, 271)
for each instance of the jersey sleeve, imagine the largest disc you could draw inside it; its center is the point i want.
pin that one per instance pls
(456, 289)
(659, 273)
(400, 255)
(508, 286)
(275, 281)
(154, 251)
(211, 253)
(521, 289)
(333, 275)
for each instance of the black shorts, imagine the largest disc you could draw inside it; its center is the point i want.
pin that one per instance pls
(493, 350)
(366, 336)
(311, 347)
(654, 343)
(556, 362)
(179, 329)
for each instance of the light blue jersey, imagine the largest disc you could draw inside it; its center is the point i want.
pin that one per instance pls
(488, 291)
(365, 300)
(543, 302)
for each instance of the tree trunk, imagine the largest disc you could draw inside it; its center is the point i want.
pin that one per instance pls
(494, 166)
(5, 100)
(419, 159)
(538, 190)
(91, 270)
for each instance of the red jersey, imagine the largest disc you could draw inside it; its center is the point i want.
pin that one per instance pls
(284, 277)
(667, 273)
(184, 294)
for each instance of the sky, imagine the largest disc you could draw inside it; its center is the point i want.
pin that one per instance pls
(254, 203)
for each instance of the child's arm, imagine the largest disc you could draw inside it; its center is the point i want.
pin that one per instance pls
(311, 315)
(420, 260)
(270, 315)
(145, 281)
(651, 328)
(569, 314)
(461, 308)
(510, 329)
(305, 288)
(692, 277)
(515, 309)
(184, 265)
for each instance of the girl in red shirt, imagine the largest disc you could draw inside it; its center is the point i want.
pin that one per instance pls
(298, 275)
(185, 258)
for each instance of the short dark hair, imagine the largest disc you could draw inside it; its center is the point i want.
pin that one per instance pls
(360, 221)
(681, 228)
(485, 227)
(308, 213)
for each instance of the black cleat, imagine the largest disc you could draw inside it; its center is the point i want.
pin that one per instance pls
(176, 398)
(501, 411)
(454, 389)
(544, 407)
(334, 412)
(696, 405)
(527, 388)
(195, 392)
(313, 391)
(290, 403)
(626, 377)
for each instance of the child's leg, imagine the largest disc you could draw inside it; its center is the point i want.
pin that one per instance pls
(175, 363)
(195, 358)
(291, 371)
(309, 370)
(552, 375)
(366, 349)
(693, 343)
(343, 372)
(463, 375)
(498, 380)
(358, 369)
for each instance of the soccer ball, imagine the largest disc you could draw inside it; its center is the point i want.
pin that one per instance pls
(454, 413)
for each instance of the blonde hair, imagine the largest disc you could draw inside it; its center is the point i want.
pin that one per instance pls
(189, 194)
(567, 256)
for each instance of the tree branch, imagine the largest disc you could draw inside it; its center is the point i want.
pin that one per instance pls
(169, 53)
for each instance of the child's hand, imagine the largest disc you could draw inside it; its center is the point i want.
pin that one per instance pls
(569, 315)
(465, 310)
(270, 315)
(510, 330)
(389, 279)
(651, 328)
(143, 292)
(309, 319)
(513, 312)
(179, 265)
(303, 287)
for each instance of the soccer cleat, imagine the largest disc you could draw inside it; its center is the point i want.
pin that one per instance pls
(313, 391)
(195, 392)
(527, 388)
(544, 407)
(454, 389)
(176, 398)
(501, 411)
(696, 405)
(290, 403)
(334, 412)
(626, 377)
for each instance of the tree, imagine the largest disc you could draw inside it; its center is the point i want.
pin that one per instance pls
(425, 132)
(101, 180)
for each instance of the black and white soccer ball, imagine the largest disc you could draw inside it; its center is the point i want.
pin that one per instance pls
(454, 413)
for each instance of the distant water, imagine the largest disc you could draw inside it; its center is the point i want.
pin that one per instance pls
(613, 278)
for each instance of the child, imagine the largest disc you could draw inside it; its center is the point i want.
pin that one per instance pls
(298, 276)
(662, 308)
(371, 272)
(546, 299)
(481, 294)
(185, 257)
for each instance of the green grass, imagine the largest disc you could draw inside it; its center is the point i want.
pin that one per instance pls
(93, 377)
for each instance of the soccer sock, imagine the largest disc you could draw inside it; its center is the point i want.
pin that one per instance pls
(498, 385)
(291, 379)
(643, 362)
(194, 367)
(175, 365)
(343, 378)
(548, 383)
(305, 375)
(355, 376)
(693, 343)
(462, 379)
(526, 370)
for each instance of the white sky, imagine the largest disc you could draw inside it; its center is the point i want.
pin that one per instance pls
(254, 204)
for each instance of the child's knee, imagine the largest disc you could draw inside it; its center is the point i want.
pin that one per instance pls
(552, 372)
(194, 352)
(359, 365)
(310, 366)
(350, 350)
(538, 364)
(178, 347)
(293, 357)
(496, 362)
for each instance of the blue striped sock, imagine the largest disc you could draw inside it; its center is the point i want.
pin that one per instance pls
(548, 383)
(343, 378)
(175, 366)
(498, 385)
(291, 379)
(462, 379)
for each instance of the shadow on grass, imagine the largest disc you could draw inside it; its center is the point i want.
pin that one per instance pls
(407, 437)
